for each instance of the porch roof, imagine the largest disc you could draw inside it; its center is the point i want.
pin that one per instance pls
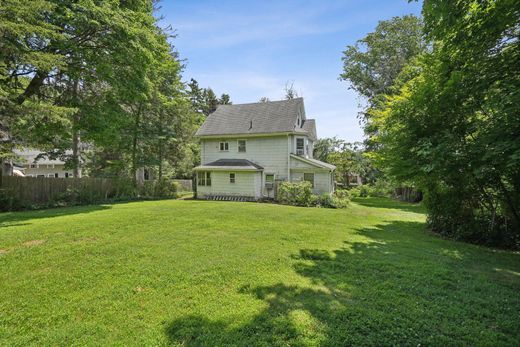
(231, 165)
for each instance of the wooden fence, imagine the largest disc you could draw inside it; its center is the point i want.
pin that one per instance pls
(40, 190)
(184, 185)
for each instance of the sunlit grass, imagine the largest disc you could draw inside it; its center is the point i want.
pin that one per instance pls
(224, 273)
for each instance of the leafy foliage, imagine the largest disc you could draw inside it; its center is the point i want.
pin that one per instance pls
(452, 126)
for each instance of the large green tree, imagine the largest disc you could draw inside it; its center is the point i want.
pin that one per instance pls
(373, 63)
(453, 126)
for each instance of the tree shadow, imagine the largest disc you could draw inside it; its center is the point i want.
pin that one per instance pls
(9, 219)
(390, 204)
(396, 288)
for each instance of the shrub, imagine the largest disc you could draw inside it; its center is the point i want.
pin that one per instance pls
(334, 200)
(295, 193)
(8, 202)
(360, 191)
(300, 194)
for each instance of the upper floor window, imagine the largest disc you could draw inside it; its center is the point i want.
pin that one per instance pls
(241, 145)
(300, 146)
(224, 146)
(232, 177)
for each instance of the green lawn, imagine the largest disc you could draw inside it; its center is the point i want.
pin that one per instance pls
(192, 273)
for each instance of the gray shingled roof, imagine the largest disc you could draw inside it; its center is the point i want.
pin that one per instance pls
(257, 118)
(231, 164)
(309, 126)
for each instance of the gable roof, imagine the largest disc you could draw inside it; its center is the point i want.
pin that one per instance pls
(257, 118)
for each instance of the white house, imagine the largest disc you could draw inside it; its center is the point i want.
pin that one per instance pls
(32, 165)
(245, 148)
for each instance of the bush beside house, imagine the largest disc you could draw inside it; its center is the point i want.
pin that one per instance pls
(300, 194)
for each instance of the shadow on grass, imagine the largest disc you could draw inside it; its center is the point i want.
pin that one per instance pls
(21, 218)
(390, 203)
(400, 287)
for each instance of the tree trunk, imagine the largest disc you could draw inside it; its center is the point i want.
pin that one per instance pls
(33, 87)
(137, 121)
(76, 170)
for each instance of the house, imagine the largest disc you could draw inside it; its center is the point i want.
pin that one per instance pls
(31, 165)
(247, 148)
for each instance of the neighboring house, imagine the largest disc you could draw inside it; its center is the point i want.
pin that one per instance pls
(32, 166)
(246, 148)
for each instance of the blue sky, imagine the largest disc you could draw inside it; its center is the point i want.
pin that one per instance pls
(250, 49)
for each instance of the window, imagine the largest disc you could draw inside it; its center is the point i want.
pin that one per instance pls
(204, 178)
(50, 175)
(269, 181)
(241, 145)
(224, 146)
(232, 177)
(300, 146)
(40, 175)
(56, 175)
(67, 174)
(309, 177)
(33, 166)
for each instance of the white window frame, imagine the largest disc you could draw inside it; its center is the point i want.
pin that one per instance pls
(206, 178)
(245, 146)
(232, 177)
(223, 146)
(269, 184)
(313, 178)
(303, 146)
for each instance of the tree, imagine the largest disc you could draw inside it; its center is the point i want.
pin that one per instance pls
(290, 92)
(349, 159)
(62, 57)
(225, 99)
(325, 146)
(204, 100)
(373, 63)
(452, 123)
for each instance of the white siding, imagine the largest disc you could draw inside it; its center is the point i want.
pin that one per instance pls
(46, 170)
(322, 180)
(269, 152)
(307, 145)
(246, 184)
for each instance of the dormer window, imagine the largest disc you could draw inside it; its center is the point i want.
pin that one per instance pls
(224, 146)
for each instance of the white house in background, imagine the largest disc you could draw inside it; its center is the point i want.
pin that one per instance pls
(245, 148)
(32, 166)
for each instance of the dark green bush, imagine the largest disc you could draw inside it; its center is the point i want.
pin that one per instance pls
(300, 194)
(333, 200)
(295, 193)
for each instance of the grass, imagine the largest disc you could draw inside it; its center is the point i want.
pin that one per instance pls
(198, 273)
